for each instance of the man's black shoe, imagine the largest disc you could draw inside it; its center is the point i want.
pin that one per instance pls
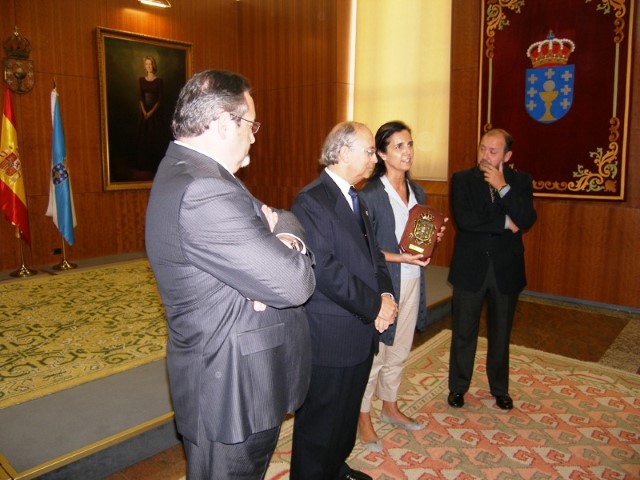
(356, 475)
(504, 402)
(456, 400)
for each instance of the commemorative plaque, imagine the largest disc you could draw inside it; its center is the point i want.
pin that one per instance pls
(420, 234)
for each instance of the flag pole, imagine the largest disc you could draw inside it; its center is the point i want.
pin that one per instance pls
(23, 271)
(64, 265)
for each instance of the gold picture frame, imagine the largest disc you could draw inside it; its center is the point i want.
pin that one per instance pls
(135, 113)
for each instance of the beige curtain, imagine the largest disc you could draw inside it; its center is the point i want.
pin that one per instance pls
(402, 53)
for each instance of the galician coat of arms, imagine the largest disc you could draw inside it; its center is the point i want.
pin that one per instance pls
(549, 84)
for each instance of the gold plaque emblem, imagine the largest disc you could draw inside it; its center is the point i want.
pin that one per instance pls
(424, 229)
(420, 234)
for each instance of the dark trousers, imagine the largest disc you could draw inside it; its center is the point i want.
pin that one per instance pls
(324, 428)
(466, 309)
(218, 461)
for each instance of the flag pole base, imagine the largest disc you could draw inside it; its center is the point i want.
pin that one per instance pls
(64, 265)
(23, 272)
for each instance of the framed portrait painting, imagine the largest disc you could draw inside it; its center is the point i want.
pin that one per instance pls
(140, 78)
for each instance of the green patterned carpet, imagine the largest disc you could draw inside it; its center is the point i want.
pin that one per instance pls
(60, 331)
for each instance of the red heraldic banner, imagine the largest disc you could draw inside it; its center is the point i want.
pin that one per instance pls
(557, 76)
(12, 197)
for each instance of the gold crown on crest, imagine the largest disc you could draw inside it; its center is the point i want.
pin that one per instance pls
(550, 52)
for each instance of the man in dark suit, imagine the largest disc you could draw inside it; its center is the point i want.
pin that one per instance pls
(352, 303)
(231, 273)
(492, 205)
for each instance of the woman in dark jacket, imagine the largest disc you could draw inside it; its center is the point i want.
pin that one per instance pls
(389, 195)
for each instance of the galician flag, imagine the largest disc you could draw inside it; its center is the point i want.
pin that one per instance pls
(60, 197)
(12, 197)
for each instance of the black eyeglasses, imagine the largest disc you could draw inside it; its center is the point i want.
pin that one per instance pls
(255, 126)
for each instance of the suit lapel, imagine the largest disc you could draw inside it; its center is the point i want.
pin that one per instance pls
(369, 237)
(345, 214)
(481, 188)
(213, 168)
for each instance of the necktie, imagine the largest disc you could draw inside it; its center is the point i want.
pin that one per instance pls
(356, 207)
(493, 192)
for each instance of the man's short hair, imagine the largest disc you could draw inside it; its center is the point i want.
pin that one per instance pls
(342, 135)
(508, 139)
(206, 96)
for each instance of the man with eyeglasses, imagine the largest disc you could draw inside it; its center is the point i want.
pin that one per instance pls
(232, 274)
(353, 302)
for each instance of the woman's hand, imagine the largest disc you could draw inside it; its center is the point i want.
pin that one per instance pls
(416, 259)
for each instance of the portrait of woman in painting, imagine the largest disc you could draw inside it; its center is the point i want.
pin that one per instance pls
(140, 80)
(150, 130)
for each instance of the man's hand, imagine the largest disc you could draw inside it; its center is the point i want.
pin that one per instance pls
(290, 241)
(272, 217)
(512, 226)
(387, 314)
(380, 325)
(259, 306)
(492, 175)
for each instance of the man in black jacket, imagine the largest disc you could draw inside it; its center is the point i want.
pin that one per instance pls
(492, 205)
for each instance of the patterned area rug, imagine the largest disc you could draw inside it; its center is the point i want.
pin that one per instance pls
(572, 420)
(60, 331)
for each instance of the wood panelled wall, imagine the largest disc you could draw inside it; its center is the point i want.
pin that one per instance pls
(295, 54)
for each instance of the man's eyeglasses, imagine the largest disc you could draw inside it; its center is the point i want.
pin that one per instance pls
(369, 151)
(255, 126)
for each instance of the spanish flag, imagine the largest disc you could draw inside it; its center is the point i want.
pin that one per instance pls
(13, 200)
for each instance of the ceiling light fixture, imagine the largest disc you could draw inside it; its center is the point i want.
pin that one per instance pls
(156, 3)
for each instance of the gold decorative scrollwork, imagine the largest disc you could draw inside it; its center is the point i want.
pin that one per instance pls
(614, 129)
(619, 30)
(602, 179)
(497, 20)
(605, 7)
(549, 185)
(619, 8)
